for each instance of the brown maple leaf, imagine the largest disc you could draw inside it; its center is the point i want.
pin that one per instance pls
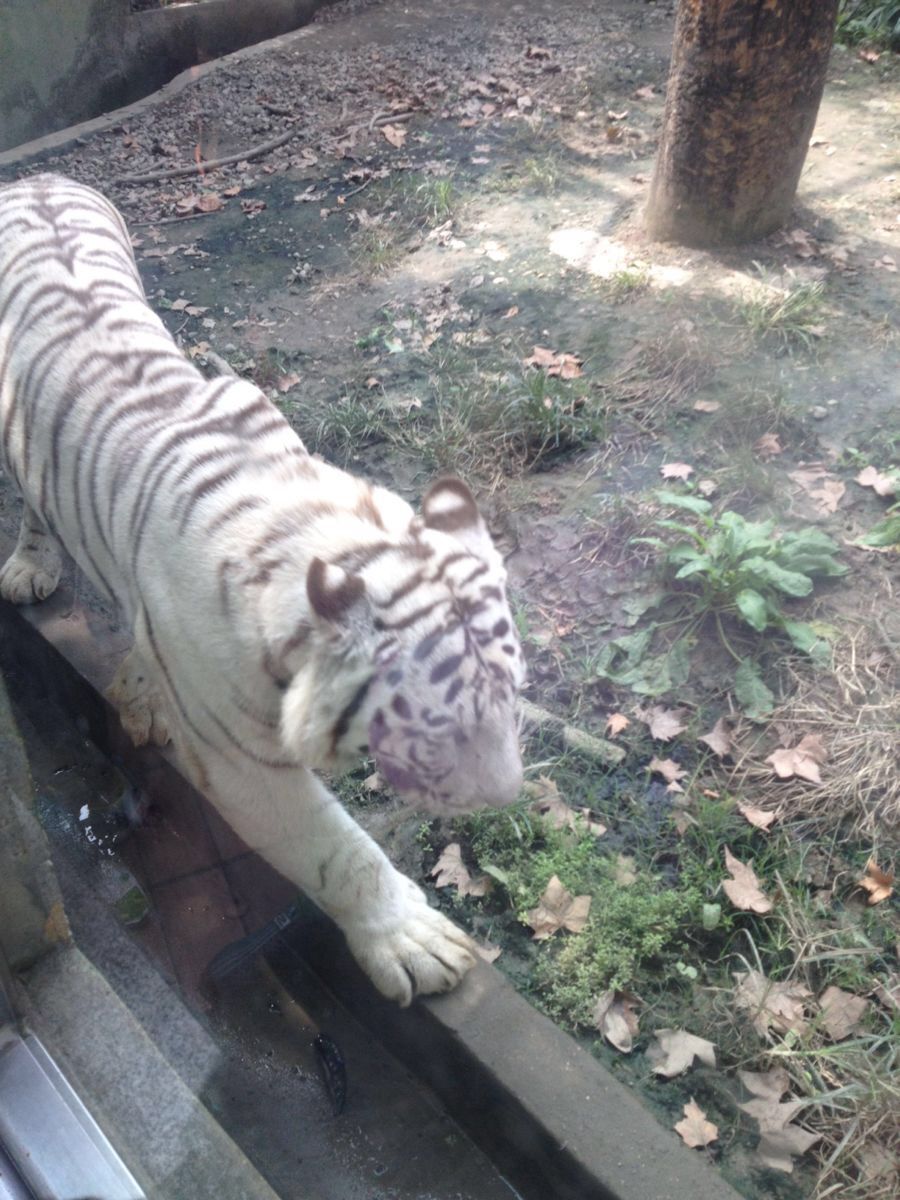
(883, 485)
(450, 869)
(487, 950)
(694, 1129)
(779, 1006)
(743, 890)
(719, 738)
(615, 723)
(615, 1017)
(757, 816)
(668, 768)
(824, 490)
(676, 470)
(549, 804)
(675, 1050)
(878, 883)
(395, 134)
(841, 1012)
(768, 446)
(801, 760)
(663, 723)
(558, 909)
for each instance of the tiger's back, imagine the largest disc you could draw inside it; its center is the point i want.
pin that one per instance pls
(286, 615)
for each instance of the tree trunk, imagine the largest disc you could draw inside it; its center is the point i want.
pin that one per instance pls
(744, 89)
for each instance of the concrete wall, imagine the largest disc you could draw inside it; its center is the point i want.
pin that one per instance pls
(64, 61)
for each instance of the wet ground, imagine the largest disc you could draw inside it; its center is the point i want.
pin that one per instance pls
(377, 284)
(151, 906)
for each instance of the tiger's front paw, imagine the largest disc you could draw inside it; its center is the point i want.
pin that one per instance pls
(26, 579)
(414, 953)
(138, 703)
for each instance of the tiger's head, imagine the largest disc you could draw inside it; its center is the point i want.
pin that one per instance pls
(416, 660)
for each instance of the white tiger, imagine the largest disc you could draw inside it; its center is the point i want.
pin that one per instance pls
(286, 615)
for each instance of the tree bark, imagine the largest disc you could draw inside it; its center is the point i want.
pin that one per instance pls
(744, 89)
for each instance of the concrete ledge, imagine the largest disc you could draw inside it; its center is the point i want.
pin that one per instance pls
(65, 63)
(555, 1121)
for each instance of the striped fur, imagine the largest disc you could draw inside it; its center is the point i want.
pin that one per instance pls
(286, 615)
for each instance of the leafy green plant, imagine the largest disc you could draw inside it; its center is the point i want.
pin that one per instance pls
(887, 531)
(727, 565)
(869, 20)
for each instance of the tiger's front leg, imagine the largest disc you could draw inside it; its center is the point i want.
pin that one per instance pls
(291, 819)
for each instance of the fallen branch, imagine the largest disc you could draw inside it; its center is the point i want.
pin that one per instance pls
(201, 168)
(576, 739)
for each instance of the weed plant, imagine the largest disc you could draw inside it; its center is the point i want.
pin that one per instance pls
(876, 21)
(727, 565)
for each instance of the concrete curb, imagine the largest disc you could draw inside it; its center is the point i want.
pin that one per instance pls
(555, 1121)
(54, 143)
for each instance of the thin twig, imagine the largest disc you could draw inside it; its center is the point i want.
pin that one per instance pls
(202, 168)
(174, 220)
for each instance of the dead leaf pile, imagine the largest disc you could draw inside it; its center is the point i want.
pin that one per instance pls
(780, 1141)
(743, 889)
(558, 909)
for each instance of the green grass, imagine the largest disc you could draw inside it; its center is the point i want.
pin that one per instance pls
(875, 21)
(789, 316)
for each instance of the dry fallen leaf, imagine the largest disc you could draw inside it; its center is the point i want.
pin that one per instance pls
(513, 311)
(779, 1141)
(558, 909)
(676, 470)
(675, 1050)
(824, 491)
(883, 485)
(743, 890)
(757, 816)
(616, 1019)
(644, 93)
(668, 768)
(487, 950)
(623, 870)
(284, 383)
(778, 1148)
(566, 366)
(395, 134)
(549, 804)
(663, 723)
(450, 869)
(706, 406)
(888, 993)
(695, 1131)
(841, 1012)
(801, 760)
(719, 738)
(768, 446)
(779, 1006)
(878, 883)
(615, 723)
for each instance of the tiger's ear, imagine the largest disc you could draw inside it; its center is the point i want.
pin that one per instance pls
(450, 507)
(333, 593)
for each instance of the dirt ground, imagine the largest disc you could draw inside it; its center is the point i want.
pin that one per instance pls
(464, 183)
